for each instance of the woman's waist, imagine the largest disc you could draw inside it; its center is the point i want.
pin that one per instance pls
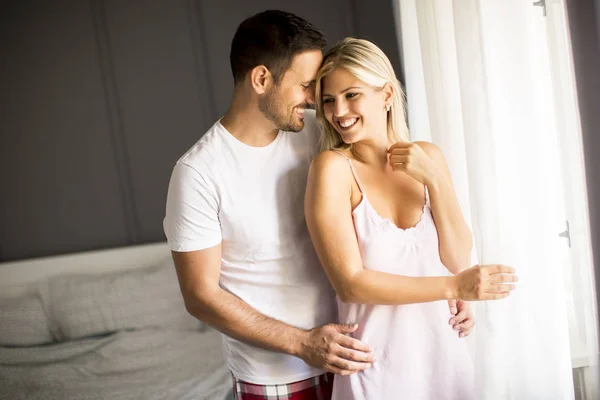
(373, 318)
(392, 327)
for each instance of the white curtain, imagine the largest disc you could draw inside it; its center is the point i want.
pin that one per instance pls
(475, 88)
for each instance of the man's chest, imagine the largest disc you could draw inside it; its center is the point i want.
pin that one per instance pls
(264, 206)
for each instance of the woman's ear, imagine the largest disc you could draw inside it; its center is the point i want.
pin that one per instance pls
(260, 78)
(388, 93)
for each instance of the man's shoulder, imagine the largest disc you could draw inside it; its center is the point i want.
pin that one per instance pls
(202, 153)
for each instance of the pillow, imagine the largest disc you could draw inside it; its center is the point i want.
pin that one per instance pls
(23, 321)
(86, 305)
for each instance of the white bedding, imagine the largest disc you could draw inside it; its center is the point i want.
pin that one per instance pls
(126, 365)
(104, 358)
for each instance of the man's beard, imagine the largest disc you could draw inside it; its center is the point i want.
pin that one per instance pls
(273, 107)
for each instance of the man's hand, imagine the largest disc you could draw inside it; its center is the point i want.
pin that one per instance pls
(329, 348)
(463, 320)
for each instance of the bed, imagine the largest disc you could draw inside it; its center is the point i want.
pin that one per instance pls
(107, 324)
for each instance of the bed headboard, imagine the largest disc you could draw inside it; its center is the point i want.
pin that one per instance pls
(17, 276)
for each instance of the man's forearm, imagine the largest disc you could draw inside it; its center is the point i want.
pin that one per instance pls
(235, 318)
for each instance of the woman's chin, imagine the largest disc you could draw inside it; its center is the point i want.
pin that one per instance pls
(349, 139)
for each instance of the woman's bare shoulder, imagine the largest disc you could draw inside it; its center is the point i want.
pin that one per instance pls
(330, 171)
(329, 161)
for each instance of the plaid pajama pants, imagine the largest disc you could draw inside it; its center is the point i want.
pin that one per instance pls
(317, 388)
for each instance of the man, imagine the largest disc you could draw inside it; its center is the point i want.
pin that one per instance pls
(235, 222)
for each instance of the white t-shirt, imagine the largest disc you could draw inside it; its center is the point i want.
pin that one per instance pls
(251, 199)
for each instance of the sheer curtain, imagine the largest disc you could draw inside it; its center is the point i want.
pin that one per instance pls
(477, 88)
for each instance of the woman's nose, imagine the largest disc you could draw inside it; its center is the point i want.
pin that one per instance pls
(340, 108)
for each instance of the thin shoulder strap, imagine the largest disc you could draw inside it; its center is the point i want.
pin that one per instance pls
(353, 171)
(426, 195)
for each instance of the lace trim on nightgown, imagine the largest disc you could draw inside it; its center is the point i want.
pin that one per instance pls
(385, 224)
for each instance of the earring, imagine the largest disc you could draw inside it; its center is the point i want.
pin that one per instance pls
(387, 107)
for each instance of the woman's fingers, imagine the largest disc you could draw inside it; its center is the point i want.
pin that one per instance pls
(497, 296)
(487, 282)
(499, 288)
(499, 280)
(454, 309)
(503, 278)
(401, 147)
(399, 159)
(499, 269)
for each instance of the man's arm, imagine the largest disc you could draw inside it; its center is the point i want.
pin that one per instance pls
(327, 347)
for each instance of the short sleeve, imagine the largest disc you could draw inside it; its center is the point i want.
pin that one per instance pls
(192, 212)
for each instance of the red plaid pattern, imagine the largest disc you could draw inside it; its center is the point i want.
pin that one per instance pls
(317, 388)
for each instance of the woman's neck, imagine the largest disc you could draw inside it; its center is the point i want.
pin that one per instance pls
(373, 153)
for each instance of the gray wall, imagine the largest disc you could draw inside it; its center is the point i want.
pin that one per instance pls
(99, 98)
(584, 20)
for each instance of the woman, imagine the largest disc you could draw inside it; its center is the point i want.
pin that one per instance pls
(387, 227)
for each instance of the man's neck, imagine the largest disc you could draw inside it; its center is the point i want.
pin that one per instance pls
(248, 124)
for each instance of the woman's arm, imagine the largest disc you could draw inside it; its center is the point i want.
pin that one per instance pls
(455, 238)
(425, 162)
(329, 217)
(328, 213)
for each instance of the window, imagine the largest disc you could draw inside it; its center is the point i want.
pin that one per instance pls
(556, 62)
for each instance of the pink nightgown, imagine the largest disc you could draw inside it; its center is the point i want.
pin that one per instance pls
(418, 354)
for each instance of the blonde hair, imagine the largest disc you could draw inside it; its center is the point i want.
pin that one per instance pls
(369, 64)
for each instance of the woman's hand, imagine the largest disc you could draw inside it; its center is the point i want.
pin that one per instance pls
(462, 319)
(485, 282)
(411, 159)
